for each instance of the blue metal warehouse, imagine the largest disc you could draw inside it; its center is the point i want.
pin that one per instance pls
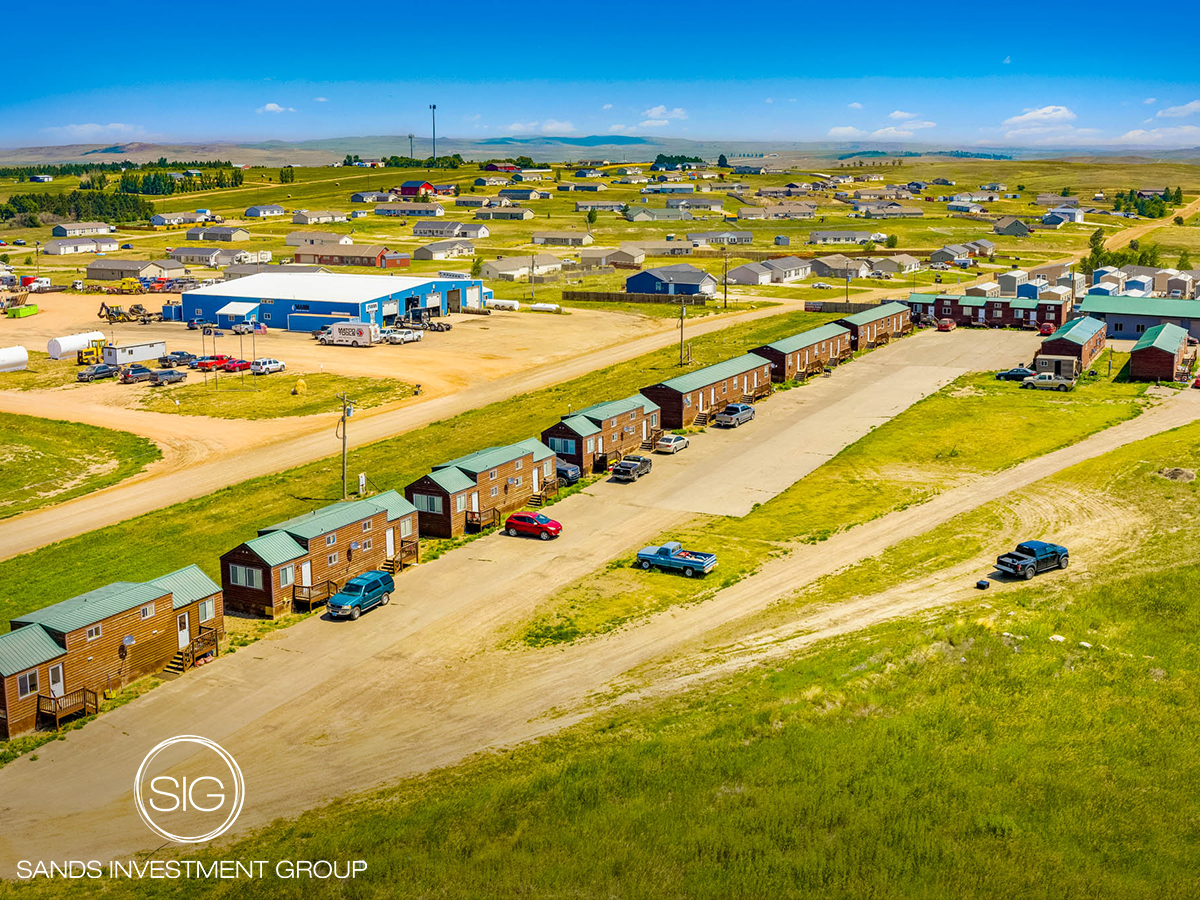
(306, 301)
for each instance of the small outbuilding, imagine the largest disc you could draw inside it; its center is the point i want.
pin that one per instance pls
(1160, 354)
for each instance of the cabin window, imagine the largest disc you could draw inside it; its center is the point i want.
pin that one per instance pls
(495, 490)
(518, 481)
(591, 445)
(492, 475)
(1118, 326)
(27, 683)
(653, 420)
(562, 446)
(331, 539)
(267, 317)
(996, 314)
(287, 575)
(945, 310)
(1139, 328)
(147, 611)
(724, 385)
(245, 576)
(428, 503)
(368, 544)
(517, 465)
(633, 416)
(199, 312)
(546, 468)
(687, 400)
(460, 502)
(208, 609)
(331, 559)
(367, 525)
(94, 632)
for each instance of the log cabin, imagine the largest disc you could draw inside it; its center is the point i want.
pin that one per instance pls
(595, 437)
(60, 660)
(806, 353)
(690, 399)
(1160, 354)
(302, 562)
(476, 491)
(879, 325)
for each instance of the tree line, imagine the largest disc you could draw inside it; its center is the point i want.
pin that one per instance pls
(162, 184)
(1136, 254)
(79, 206)
(22, 173)
(1153, 207)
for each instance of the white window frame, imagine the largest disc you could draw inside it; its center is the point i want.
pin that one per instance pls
(331, 539)
(147, 611)
(517, 465)
(406, 528)
(207, 610)
(287, 575)
(430, 503)
(367, 526)
(495, 490)
(28, 691)
(95, 631)
(460, 503)
(332, 559)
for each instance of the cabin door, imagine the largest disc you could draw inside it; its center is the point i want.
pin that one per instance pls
(982, 313)
(181, 625)
(306, 574)
(56, 681)
(390, 539)
(645, 431)
(474, 501)
(536, 472)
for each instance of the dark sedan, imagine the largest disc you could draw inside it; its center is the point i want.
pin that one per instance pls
(1020, 373)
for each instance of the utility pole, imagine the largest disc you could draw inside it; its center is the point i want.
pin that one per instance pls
(347, 412)
(410, 145)
(682, 307)
(532, 272)
(725, 271)
(433, 114)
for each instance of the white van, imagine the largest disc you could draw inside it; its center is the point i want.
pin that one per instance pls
(352, 334)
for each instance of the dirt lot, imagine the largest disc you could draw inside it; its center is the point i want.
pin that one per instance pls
(428, 680)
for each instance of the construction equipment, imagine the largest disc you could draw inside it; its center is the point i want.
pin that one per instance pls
(12, 301)
(113, 313)
(143, 315)
(91, 354)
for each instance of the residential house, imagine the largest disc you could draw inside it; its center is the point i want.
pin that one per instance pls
(648, 214)
(493, 181)
(1009, 281)
(370, 197)
(374, 255)
(217, 233)
(878, 325)
(839, 266)
(563, 238)
(1011, 226)
(306, 238)
(242, 271)
(1161, 354)
(701, 238)
(900, 264)
(806, 353)
(950, 253)
(598, 436)
(685, 398)
(415, 188)
(113, 269)
(506, 213)
(434, 229)
(984, 289)
(839, 237)
(65, 246)
(599, 205)
(514, 268)
(81, 229)
(410, 209)
(318, 216)
(297, 563)
(1082, 339)
(449, 249)
(525, 194)
(680, 278)
(660, 248)
(265, 211)
(712, 204)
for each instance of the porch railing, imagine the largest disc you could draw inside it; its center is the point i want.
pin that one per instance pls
(311, 595)
(79, 701)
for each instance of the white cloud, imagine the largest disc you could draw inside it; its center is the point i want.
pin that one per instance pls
(1178, 112)
(274, 108)
(905, 130)
(618, 129)
(854, 105)
(557, 126)
(1183, 135)
(607, 106)
(522, 127)
(1150, 101)
(653, 123)
(661, 112)
(769, 100)
(1007, 61)
(320, 99)
(845, 131)
(1042, 115)
(901, 114)
(91, 131)
(791, 99)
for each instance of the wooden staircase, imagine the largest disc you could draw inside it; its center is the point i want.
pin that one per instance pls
(649, 442)
(178, 664)
(701, 420)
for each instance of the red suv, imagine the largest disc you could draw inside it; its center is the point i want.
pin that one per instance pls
(533, 524)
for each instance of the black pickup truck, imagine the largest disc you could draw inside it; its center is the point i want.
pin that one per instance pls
(1032, 557)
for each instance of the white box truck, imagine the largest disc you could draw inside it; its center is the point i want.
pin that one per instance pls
(352, 334)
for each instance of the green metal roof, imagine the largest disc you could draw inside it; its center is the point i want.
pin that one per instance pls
(808, 338)
(718, 372)
(394, 503)
(540, 451)
(452, 480)
(1078, 331)
(870, 315)
(482, 460)
(1027, 302)
(275, 548)
(327, 519)
(1166, 337)
(25, 648)
(581, 426)
(94, 606)
(615, 408)
(1141, 306)
(187, 586)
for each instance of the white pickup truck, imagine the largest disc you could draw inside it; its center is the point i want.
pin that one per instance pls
(1048, 381)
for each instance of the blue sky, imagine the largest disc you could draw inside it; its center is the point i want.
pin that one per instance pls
(1026, 74)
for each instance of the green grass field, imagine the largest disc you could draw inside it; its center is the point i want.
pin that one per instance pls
(972, 427)
(960, 754)
(42, 373)
(230, 396)
(44, 461)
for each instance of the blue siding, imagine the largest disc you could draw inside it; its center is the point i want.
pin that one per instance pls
(1123, 327)
(647, 283)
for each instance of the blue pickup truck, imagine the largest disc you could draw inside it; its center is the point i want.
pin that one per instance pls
(1032, 557)
(671, 556)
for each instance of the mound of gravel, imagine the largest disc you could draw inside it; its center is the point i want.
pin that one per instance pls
(1177, 474)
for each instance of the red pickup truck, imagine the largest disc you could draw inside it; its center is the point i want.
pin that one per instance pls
(208, 363)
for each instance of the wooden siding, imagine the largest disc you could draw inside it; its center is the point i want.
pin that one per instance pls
(888, 326)
(806, 360)
(492, 488)
(679, 410)
(952, 308)
(1085, 353)
(586, 451)
(1155, 364)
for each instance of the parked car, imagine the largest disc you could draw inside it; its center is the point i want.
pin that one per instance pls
(402, 335)
(19, 242)
(671, 443)
(532, 523)
(235, 365)
(168, 376)
(568, 473)
(266, 366)
(127, 246)
(1032, 557)
(208, 363)
(1047, 328)
(360, 593)
(672, 557)
(1048, 381)
(134, 374)
(947, 325)
(243, 328)
(176, 358)
(631, 468)
(734, 414)
(1018, 373)
(100, 370)
(822, 286)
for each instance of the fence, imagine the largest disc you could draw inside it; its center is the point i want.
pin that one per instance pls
(842, 307)
(622, 297)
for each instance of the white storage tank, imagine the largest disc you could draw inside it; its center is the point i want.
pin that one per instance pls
(544, 307)
(504, 304)
(69, 345)
(13, 359)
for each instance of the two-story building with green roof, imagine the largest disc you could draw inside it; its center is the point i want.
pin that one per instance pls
(301, 562)
(698, 394)
(806, 353)
(878, 325)
(58, 661)
(476, 490)
(601, 434)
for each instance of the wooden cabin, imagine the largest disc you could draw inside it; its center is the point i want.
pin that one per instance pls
(1160, 354)
(1002, 312)
(60, 660)
(477, 490)
(1082, 339)
(595, 437)
(879, 325)
(302, 562)
(806, 353)
(690, 399)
